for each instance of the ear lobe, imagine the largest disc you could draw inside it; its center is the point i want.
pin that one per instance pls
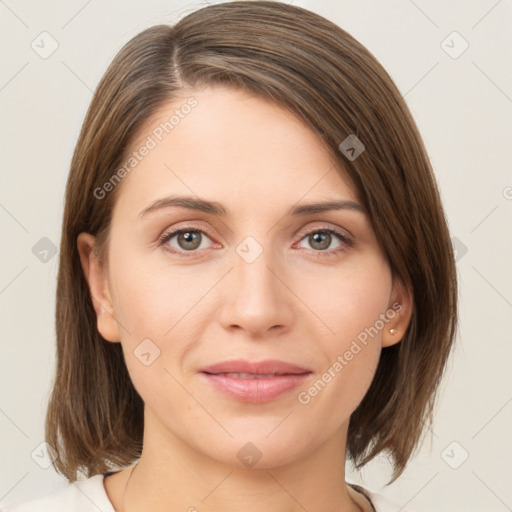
(96, 276)
(402, 305)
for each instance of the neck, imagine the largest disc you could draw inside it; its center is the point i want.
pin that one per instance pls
(171, 475)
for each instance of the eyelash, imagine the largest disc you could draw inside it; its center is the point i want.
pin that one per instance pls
(348, 243)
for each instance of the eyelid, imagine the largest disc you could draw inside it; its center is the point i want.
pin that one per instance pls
(345, 234)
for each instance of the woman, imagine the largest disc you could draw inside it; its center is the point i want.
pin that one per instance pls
(256, 278)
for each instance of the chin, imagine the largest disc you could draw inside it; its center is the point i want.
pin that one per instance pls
(258, 449)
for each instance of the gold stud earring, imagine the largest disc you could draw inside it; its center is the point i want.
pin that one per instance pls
(392, 330)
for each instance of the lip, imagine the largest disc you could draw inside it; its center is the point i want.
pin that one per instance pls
(256, 367)
(275, 379)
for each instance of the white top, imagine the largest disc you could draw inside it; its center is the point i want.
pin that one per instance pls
(90, 496)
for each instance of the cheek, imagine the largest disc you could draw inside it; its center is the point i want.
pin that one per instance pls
(348, 299)
(157, 310)
(152, 301)
(350, 353)
(336, 393)
(352, 306)
(163, 310)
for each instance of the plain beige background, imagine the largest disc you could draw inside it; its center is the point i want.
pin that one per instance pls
(462, 101)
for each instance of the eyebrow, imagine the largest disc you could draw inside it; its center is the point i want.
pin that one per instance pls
(215, 208)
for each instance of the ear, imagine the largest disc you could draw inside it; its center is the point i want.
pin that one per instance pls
(399, 313)
(96, 276)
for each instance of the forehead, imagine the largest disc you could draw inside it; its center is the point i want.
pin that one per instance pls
(232, 147)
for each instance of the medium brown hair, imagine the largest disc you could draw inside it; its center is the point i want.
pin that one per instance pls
(306, 63)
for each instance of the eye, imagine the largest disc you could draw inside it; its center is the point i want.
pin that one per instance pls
(191, 240)
(186, 240)
(321, 241)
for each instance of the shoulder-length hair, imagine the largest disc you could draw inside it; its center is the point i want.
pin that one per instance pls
(306, 63)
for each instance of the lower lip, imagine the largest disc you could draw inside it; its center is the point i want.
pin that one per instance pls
(256, 390)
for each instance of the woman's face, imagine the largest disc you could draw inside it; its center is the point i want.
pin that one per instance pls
(255, 283)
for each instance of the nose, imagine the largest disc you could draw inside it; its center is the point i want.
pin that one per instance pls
(255, 295)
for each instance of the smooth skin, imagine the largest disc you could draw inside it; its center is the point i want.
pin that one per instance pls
(201, 304)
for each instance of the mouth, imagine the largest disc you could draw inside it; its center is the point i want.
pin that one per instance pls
(255, 382)
(245, 376)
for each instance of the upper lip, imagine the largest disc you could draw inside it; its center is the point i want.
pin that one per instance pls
(267, 367)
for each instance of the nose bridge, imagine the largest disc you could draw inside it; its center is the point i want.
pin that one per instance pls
(252, 263)
(257, 298)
